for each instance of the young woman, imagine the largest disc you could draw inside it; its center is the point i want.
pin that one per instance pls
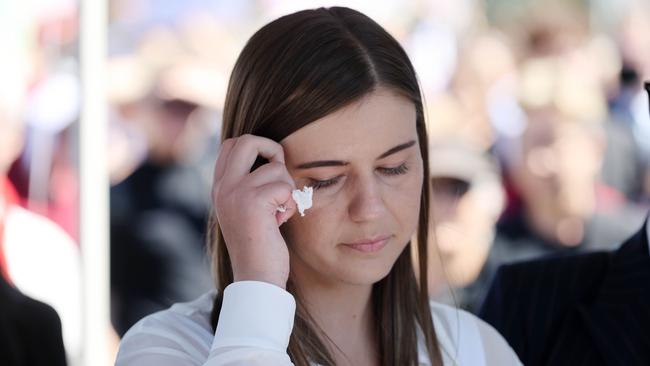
(324, 98)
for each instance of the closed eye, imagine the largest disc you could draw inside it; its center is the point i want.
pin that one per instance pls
(320, 184)
(398, 170)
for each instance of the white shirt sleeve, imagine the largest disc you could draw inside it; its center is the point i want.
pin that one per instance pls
(254, 327)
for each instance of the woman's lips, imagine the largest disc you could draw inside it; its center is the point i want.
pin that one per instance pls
(369, 246)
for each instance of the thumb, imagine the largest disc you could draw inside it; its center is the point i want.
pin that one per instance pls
(289, 209)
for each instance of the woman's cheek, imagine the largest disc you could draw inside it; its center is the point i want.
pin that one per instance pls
(410, 184)
(324, 199)
(408, 195)
(301, 229)
(318, 220)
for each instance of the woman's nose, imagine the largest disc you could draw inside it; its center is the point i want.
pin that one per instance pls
(366, 202)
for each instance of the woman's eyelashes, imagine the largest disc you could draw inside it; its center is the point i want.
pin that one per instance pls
(319, 184)
(398, 170)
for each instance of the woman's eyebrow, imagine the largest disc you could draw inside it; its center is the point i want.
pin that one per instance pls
(323, 163)
(397, 148)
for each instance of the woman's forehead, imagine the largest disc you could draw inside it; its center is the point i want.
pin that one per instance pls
(378, 120)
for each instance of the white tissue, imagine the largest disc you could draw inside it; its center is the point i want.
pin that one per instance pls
(303, 198)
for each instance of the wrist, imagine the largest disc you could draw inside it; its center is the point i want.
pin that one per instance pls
(279, 281)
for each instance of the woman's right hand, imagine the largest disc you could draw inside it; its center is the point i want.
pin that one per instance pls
(246, 206)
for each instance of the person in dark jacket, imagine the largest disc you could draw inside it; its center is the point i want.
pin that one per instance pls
(30, 331)
(588, 309)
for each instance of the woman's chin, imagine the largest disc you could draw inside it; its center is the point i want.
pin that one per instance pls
(362, 276)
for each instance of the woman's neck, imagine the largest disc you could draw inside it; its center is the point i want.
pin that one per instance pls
(345, 313)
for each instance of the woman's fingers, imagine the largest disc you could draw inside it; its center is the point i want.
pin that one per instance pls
(222, 158)
(269, 172)
(278, 194)
(221, 166)
(246, 205)
(275, 175)
(233, 165)
(244, 152)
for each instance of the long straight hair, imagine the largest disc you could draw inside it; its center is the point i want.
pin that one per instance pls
(294, 71)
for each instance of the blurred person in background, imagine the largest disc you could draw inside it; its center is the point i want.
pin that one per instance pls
(466, 202)
(30, 331)
(37, 256)
(159, 210)
(45, 174)
(633, 128)
(479, 89)
(587, 309)
(628, 102)
(558, 203)
(468, 196)
(546, 29)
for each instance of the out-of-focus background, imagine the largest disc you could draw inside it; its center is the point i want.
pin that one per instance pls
(538, 123)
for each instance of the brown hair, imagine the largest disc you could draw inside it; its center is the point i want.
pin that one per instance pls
(293, 71)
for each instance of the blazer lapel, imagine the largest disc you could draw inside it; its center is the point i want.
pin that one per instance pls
(617, 321)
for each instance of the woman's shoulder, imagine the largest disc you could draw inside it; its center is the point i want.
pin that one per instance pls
(183, 330)
(468, 340)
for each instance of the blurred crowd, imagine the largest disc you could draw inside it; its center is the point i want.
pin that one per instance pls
(538, 122)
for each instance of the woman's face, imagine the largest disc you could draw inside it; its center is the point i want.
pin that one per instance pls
(365, 166)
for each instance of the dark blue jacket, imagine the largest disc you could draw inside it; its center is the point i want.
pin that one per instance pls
(588, 309)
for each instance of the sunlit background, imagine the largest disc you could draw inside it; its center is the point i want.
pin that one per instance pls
(539, 136)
